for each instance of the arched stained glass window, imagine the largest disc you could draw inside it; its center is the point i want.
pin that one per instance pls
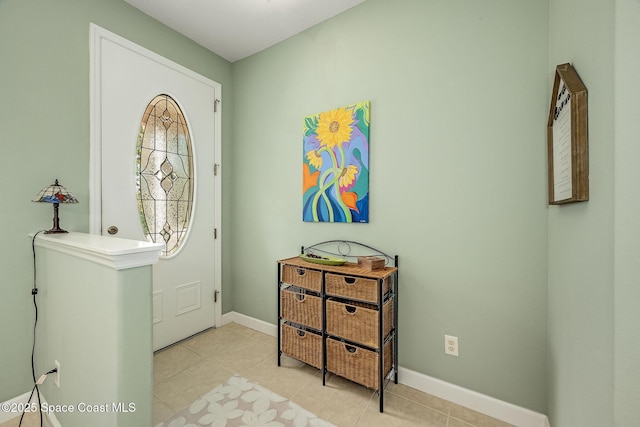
(164, 175)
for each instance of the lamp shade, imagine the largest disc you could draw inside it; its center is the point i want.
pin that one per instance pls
(55, 193)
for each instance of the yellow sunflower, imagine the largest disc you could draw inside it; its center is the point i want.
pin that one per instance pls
(347, 176)
(334, 127)
(315, 159)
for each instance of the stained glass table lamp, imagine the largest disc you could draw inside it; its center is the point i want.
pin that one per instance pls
(56, 194)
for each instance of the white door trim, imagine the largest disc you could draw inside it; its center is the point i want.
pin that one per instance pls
(96, 36)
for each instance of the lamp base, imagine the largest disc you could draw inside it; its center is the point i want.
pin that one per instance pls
(56, 222)
(55, 231)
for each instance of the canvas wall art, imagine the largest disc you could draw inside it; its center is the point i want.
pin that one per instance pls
(335, 165)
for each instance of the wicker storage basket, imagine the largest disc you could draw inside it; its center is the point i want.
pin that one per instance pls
(357, 364)
(354, 287)
(304, 345)
(358, 321)
(301, 308)
(303, 277)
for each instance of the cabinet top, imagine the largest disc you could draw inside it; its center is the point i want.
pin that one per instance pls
(113, 252)
(348, 268)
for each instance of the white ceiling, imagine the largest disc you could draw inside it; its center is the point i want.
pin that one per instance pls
(235, 29)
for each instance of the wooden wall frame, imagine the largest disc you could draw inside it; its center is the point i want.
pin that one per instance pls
(567, 139)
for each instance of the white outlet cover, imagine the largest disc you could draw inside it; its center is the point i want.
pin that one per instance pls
(451, 345)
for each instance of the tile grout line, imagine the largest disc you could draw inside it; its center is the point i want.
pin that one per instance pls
(186, 367)
(447, 414)
(364, 410)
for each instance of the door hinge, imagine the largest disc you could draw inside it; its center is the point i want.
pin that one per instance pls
(215, 233)
(215, 105)
(215, 296)
(216, 166)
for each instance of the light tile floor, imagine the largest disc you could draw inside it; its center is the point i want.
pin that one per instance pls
(191, 368)
(30, 420)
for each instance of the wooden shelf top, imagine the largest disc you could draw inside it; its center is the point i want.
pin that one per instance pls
(349, 268)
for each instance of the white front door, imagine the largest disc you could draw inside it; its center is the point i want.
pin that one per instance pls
(130, 77)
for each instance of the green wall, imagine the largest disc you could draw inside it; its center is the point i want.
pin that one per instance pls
(581, 258)
(594, 321)
(44, 118)
(627, 211)
(459, 102)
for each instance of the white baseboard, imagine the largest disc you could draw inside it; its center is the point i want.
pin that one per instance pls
(250, 322)
(479, 402)
(226, 318)
(48, 420)
(504, 411)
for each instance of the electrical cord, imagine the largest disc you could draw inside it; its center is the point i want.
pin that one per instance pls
(34, 292)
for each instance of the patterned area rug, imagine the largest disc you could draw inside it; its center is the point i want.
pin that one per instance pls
(239, 403)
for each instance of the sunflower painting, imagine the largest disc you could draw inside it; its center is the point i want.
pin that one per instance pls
(335, 165)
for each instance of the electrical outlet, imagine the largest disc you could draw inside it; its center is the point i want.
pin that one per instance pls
(56, 379)
(451, 345)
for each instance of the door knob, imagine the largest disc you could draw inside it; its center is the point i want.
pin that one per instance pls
(112, 230)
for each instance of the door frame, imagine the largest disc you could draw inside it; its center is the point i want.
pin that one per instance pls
(96, 35)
